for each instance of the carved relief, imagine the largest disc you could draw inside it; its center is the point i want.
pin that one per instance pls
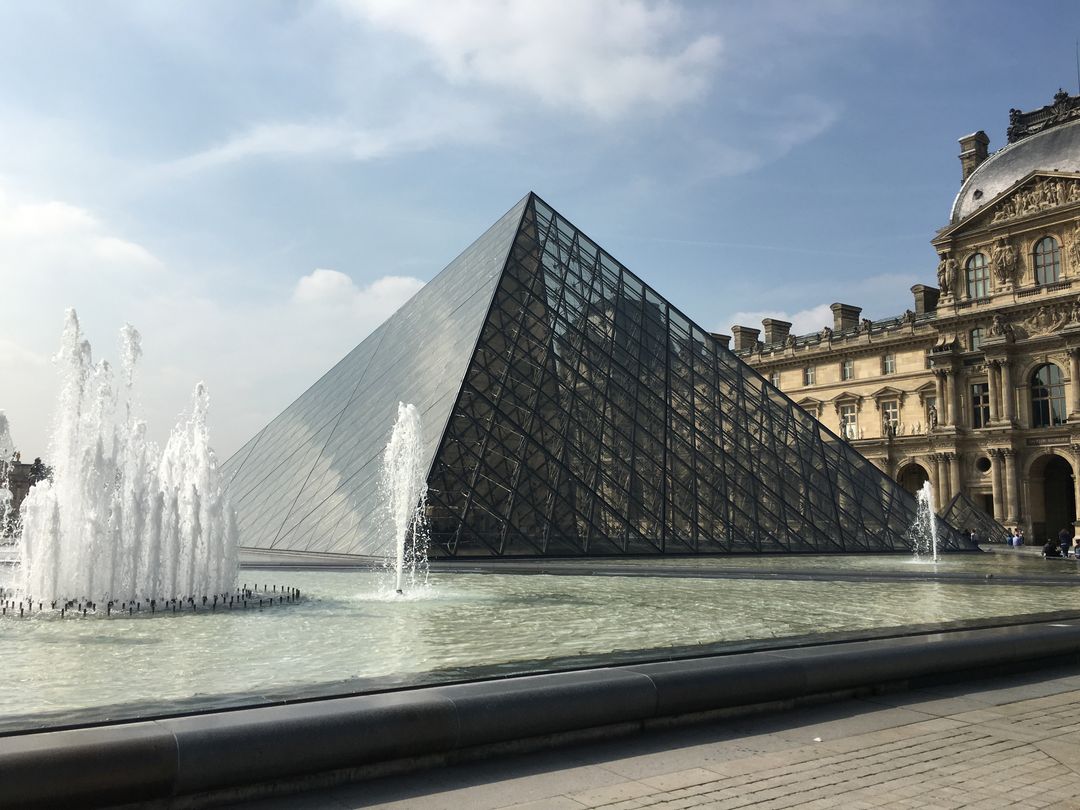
(1044, 193)
(1002, 328)
(1049, 318)
(1003, 258)
(1074, 247)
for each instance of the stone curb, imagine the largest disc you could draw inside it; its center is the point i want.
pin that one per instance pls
(175, 757)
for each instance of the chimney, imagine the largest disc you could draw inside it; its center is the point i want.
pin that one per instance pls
(775, 331)
(745, 337)
(973, 151)
(926, 298)
(723, 340)
(845, 316)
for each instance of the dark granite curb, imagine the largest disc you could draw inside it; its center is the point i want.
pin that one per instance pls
(169, 758)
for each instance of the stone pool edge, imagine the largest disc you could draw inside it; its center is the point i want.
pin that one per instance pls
(203, 758)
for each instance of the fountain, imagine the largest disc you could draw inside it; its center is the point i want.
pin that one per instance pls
(404, 484)
(122, 522)
(7, 450)
(923, 533)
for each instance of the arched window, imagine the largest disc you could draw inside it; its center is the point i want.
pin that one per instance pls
(1047, 260)
(1047, 397)
(978, 276)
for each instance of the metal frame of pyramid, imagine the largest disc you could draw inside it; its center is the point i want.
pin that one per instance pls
(568, 410)
(963, 514)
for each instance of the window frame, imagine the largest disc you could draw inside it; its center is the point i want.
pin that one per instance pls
(890, 426)
(888, 363)
(975, 338)
(809, 375)
(1048, 408)
(977, 276)
(1046, 246)
(847, 369)
(980, 404)
(849, 428)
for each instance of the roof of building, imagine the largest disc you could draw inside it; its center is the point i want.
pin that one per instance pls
(1054, 149)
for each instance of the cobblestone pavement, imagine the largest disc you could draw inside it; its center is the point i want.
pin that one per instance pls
(998, 743)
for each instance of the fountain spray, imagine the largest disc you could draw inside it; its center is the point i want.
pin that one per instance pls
(404, 482)
(924, 531)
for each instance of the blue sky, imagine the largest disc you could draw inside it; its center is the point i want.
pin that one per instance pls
(256, 185)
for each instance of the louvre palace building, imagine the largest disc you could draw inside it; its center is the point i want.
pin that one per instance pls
(976, 386)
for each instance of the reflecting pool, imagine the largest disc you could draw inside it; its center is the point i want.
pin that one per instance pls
(351, 634)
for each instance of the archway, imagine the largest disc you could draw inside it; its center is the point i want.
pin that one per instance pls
(1053, 499)
(912, 477)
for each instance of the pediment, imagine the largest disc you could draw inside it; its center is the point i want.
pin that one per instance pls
(888, 392)
(1036, 193)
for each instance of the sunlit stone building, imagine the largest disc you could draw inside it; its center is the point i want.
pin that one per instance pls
(976, 386)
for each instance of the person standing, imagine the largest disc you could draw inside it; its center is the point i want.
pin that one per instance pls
(1064, 541)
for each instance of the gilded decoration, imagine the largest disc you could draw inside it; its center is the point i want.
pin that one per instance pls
(1044, 193)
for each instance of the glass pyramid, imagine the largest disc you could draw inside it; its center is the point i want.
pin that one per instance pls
(963, 515)
(568, 410)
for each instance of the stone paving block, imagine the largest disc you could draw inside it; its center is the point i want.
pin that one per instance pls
(680, 779)
(621, 791)
(553, 803)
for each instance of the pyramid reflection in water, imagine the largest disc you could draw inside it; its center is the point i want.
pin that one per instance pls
(568, 410)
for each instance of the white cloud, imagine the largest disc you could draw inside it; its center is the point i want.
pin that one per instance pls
(606, 58)
(335, 289)
(802, 322)
(255, 355)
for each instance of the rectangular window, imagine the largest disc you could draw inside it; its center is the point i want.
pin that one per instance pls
(808, 375)
(888, 364)
(976, 339)
(980, 405)
(847, 370)
(774, 378)
(849, 422)
(890, 417)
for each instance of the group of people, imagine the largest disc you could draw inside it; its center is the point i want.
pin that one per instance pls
(1061, 547)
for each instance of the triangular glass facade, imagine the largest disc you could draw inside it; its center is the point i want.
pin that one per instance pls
(963, 515)
(568, 410)
(309, 480)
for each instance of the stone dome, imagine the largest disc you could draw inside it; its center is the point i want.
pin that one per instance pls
(1055, 149)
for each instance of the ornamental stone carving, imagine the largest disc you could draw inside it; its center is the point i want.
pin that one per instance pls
(826, 333)
(1001, 328)
(1048, 318)
(1003, 258)
(948, 271)
(1044, 193)
(1074, 247)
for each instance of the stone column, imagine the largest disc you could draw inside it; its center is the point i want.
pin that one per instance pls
(939, 481)
(1008, 395)
(942, 405)
(993, 367)
(995, 473)
(954, 474)
(1074, 383)
(1012, 487)
(954, 398)
(1076, 486)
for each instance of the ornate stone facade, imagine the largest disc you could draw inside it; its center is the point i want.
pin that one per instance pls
(977, 389)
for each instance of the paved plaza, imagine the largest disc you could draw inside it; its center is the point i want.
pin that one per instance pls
(1005, 742)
